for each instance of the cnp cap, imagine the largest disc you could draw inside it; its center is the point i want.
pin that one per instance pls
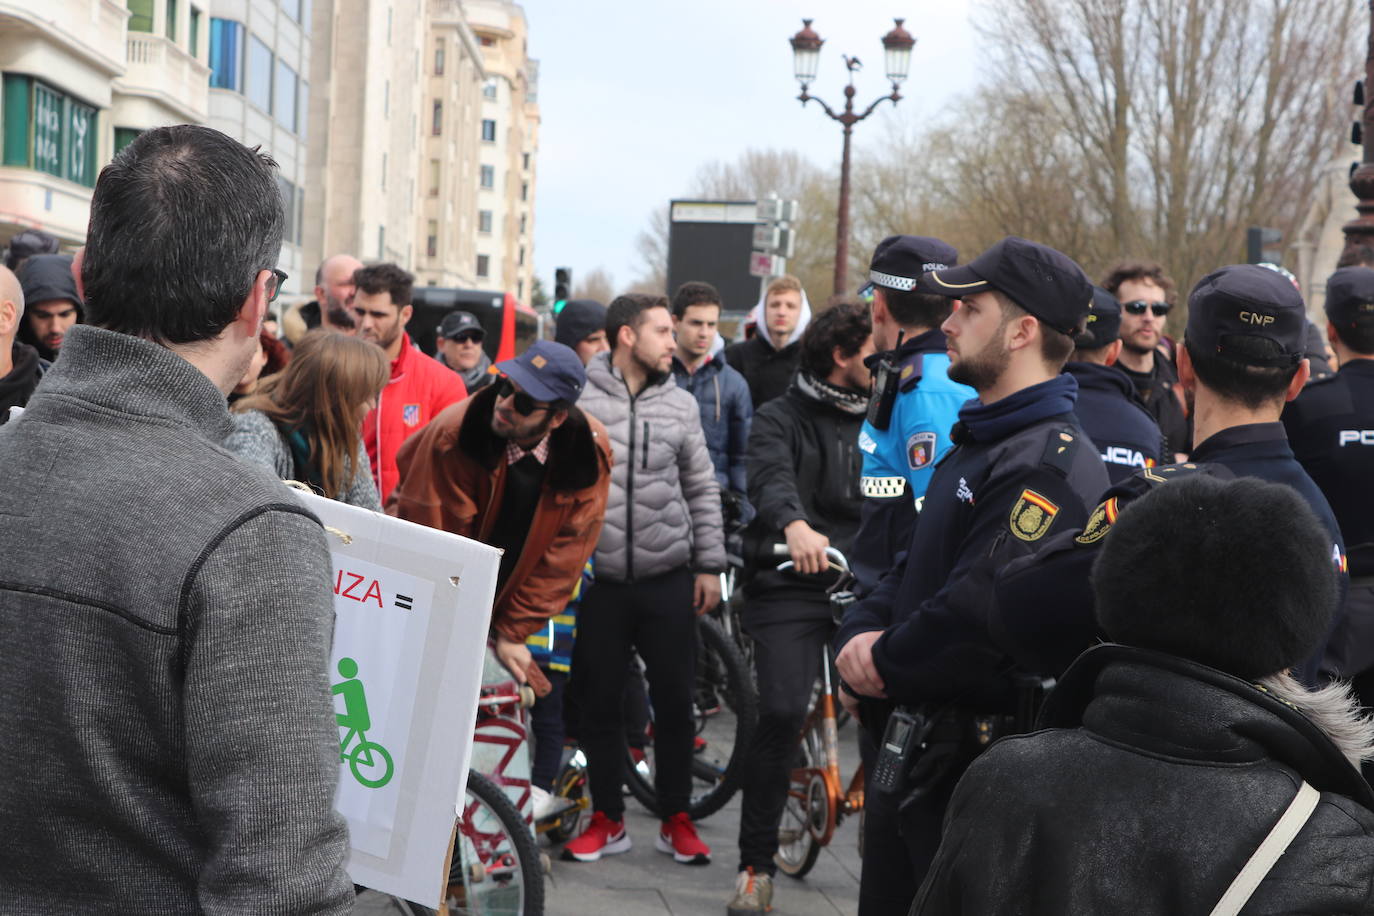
(1246, 300)
(1350, 296)
(1104, 322)
(899, 261)
(548, 371)
(1042, 281)
(455, 324)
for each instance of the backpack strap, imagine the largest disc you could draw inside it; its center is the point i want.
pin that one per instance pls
(1279, 839)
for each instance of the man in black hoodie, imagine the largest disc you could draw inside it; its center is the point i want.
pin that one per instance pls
(20, 367)
(53, 305)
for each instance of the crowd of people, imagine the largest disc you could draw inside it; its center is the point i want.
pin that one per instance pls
(1113, 634)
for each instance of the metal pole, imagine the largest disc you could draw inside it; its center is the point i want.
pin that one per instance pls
(842, 221)
(1360, 231)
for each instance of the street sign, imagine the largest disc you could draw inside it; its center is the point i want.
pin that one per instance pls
(787, 242)
(766, 237)
(760, 264)
(771, 209)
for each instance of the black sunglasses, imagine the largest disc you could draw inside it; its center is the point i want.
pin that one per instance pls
(467, 338)
(524, 404)
(278, 280)
(1139, 307)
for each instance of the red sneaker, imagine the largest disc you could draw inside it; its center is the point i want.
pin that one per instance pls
(603, 837)
(678, 837)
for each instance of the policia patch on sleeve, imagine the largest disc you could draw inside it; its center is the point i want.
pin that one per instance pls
(1032, 516)
(1099, 523)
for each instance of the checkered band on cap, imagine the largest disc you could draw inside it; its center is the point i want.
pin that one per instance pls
(905, 284)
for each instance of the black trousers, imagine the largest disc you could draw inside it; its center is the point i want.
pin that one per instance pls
(654, 617)
(787, 658)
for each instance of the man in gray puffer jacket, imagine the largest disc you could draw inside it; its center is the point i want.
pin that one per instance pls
(658, 560)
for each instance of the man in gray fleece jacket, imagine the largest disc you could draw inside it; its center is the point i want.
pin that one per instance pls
(165, 609)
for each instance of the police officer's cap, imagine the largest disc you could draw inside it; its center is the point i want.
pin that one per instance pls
(1044, 282)
(1350, 296)
(1246, 300)
(899, 261)
(1104, 322)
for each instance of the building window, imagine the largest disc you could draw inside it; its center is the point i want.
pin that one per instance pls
(438, 117)
(523, 218)
(434, 178)
(226, 52)
(488, 176)
(140, 15)
(381, 242)
(489, 89)
(483, 265)
(172, 20)
(525, 161)
(293, 205)
(285, 96)
(388, 25)
(384, 171)
(124, 136)
(439, 58)
(386, 99)
(488, 130)
(484, 221)
(524, 190)
(259, 74)
(432, 239)
(195, 32)
(293, 8)
(521, 261)
(303, 109)
(48, 130)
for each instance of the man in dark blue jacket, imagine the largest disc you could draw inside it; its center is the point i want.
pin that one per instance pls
(1112, 414)
(720, 390)
(1021, 469)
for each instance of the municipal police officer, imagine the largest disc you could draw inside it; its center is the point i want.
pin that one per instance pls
(1243, 359)
(1021, 468)
(914, 403)
(1112, 414)
(1331, 427)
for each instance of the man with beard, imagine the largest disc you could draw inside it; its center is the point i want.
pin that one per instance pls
(804, 464)
(419, 387)
(1020, 469)
(1146, 295)
(332, 307)
(658, 564)
(459, 341)
(20, 368)
(52, 304)
(768, 359)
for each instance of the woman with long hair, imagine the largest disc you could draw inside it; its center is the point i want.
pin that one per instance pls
(303, 423)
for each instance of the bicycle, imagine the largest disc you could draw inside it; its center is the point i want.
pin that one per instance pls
(360, 760)
(816, 803)
(718, 763)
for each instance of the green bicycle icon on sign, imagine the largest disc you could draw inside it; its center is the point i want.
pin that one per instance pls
(369, 762)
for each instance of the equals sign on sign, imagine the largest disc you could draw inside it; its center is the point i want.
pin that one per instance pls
(405, 602)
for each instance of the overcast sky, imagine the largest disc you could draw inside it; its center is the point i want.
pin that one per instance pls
(635, 96)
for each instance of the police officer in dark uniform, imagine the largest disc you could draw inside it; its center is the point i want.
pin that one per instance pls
(1112, 414)
(1331, 427)
(914, 403)
(1243, 359)
(1021, 469)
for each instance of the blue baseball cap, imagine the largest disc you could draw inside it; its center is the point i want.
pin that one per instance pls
(547, 371)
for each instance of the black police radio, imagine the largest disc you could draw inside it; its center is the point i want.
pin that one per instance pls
(887, 381)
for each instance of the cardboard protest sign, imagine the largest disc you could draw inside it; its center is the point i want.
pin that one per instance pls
(412, 607)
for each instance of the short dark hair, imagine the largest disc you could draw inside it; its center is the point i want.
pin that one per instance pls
(845, 325)
(916, 309)
(1193, 569)
(1251, 386)
(1139, 270)
(628, 311)
(1356, 256)
(694, 292)
(1358, 337)
(386, 278)
(1055, 346)
(182, 221)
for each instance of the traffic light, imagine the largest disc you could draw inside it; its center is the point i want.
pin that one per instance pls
(1262, 245)
(562, 288)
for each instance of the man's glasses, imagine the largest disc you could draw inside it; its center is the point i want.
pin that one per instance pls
(523, 403)
(1140, 307)
(275, 284)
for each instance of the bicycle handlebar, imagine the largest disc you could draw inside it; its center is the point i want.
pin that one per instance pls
(838, 561)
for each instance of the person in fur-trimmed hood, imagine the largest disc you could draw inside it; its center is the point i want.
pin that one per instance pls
(1166, 759)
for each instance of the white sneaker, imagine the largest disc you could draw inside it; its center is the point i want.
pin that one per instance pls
(546, 804)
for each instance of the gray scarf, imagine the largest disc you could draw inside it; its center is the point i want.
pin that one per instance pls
(846, 400)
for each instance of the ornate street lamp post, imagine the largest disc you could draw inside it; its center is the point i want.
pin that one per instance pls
(806, 56)
(1360, 231)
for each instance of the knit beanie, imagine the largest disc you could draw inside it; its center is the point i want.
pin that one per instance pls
(1236, 574)
(579, 318)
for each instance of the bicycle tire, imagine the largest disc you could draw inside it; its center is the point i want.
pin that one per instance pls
(797, 854)
(742, 698)
(388, 769)
(571, 783)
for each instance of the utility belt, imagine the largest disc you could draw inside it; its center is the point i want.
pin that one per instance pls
(924, 745)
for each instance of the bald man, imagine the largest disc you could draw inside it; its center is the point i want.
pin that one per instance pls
(20, 367)
(333, 292)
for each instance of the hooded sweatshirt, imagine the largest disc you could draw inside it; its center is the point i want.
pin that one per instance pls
(45, 278)
(767, 367)
(23, 377)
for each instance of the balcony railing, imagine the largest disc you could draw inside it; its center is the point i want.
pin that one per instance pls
(161, 69)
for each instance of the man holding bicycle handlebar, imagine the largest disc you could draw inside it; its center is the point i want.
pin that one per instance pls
(803, 473)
